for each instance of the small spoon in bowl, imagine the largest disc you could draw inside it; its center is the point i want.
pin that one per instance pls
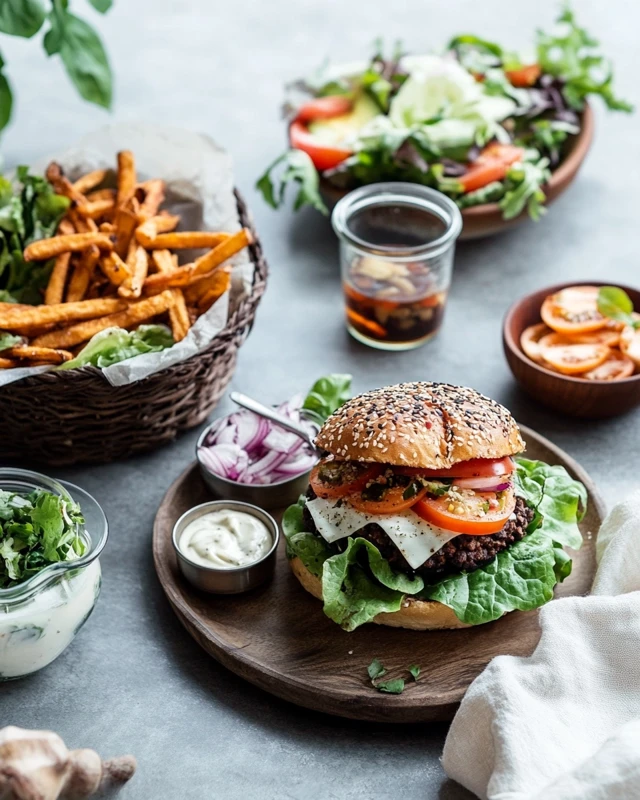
(271, 414)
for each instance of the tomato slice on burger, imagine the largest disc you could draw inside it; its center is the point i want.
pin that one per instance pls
(393, 500)
(573, 310)
(474, 468)
(324, 108)
(324, 156)
(334, 479)
(477, 514)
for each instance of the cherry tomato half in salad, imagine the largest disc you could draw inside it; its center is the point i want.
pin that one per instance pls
(523, 77)
(324, 108)
(477, 514)
(323, 156)
(474, 468)
(491, 165)
(392, 502)
(340, 478)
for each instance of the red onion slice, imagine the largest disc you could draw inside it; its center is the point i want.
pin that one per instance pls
(494, 483)
(249, 449)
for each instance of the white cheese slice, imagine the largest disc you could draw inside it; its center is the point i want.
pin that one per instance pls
(415, 538)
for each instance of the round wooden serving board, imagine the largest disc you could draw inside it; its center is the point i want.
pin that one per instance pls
(278, 638)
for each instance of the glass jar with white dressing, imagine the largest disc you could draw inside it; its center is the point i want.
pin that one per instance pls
(226, 547)
(40, 617)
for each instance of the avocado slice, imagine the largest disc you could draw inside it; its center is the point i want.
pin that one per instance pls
(337, 130)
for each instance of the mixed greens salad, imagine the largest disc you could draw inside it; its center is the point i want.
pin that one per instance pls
(29, 210)
(478, 122)
(36, 529)
(358, 582)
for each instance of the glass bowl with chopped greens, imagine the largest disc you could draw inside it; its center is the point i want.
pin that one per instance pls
(51, 535)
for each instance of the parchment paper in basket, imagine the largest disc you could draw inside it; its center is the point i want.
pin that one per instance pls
(199, 178)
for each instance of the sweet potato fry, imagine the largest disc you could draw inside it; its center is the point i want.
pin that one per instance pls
(174, 277)
(179, 316)
(82, 224)
(184, 240)
(15, 318)
(114, 268)
(125, 222)
(48, 248)
(97, 209)
(153, 197)
(222, 283)
(132, 287)
(62, 185)
(7, 363)
(54, 292)
(82, 274)
(229, 247)
(101, 194)
(126, 178)
(163, 223)
(163, 260)
(107, 227)
(43, 355)
(134, 314)
(90, 181)
(66, 227)
(199, 287)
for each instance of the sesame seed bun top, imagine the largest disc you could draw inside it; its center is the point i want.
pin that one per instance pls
(430, 425)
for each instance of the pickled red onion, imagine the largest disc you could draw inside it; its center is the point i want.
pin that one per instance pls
(246, 448)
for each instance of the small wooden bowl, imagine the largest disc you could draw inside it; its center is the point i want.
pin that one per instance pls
(573, 396)
(487, 219)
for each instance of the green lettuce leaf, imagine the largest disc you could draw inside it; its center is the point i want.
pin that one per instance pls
(520, 578)
(116, 344)
(294, 166)
(560, 500)
(327, 395)
(8, 340)
(36, 529)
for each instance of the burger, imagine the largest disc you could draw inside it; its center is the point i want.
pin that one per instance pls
(420, 515)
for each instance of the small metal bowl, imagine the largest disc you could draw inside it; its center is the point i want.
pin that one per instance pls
(272, 495)
(226, 581)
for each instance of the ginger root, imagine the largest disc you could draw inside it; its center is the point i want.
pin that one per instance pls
(36, 765)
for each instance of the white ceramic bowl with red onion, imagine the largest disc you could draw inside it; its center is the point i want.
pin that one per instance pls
(245, 457)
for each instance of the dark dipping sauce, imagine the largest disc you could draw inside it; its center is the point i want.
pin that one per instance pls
(392, 301)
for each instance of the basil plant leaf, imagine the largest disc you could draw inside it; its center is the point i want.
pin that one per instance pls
(327, 395)
(86, 62)
(6, 101)
(21, 17)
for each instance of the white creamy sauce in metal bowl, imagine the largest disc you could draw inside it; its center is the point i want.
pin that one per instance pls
(225, 539)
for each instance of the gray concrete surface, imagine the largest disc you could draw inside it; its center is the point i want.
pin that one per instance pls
(134, 681)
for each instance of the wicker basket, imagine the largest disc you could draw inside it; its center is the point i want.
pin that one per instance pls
(63, 418)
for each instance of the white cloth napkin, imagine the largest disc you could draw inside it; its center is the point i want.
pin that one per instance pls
(564, 724)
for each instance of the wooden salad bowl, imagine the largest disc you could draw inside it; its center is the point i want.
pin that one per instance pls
(486, 220)
(573, 396)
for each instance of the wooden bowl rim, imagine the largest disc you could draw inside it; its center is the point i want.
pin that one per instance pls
(519, 353)
(565, 169)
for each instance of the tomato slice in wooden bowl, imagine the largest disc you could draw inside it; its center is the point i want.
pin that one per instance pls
(630, 344)
(614, 368)
(574, 359)
(530, 340)
(477, 514)
(573, 310)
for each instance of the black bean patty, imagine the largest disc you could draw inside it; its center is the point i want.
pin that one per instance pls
(464, 553)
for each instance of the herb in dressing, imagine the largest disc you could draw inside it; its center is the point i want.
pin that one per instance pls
(226, 539)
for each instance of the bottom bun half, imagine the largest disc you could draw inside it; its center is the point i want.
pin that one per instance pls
(419, 615)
